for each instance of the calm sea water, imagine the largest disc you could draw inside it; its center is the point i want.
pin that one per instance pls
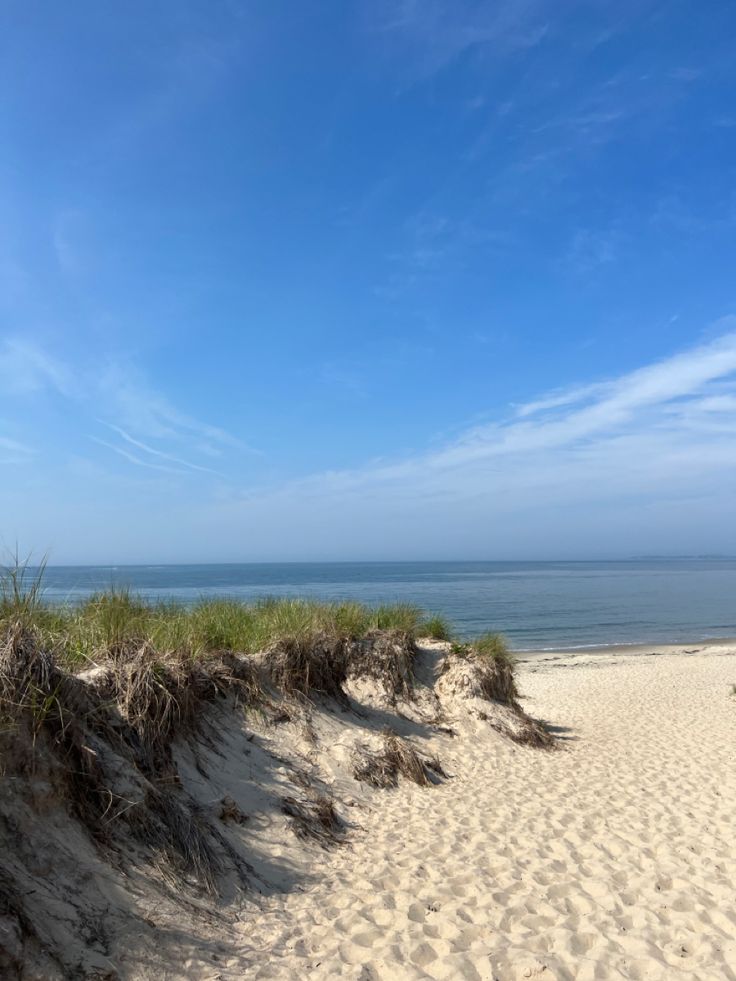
(536, 604)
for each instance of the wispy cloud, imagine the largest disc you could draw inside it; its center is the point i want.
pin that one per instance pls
(591, 248)
(638, 428)
(65, 235)
(13, 446)
(138, 408)
(25, 368)
(152, 451)
(436, 32)
(132, 458)
(145, 420)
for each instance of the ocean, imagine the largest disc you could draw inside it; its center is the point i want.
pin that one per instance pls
(537, 605)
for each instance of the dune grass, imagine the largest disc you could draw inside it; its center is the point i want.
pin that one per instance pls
(88, 632)
(437, 627)
(493, 647)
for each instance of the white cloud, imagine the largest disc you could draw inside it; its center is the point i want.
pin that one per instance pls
(132, 458)
(118, 396)
(595, 445)
(13, 446)
(162, 455)
(436, 32)
(65, 235)
(26, 368)
(131, 403)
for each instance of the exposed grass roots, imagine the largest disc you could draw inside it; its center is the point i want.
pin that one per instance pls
(493, 666)
(314, 818)
(106, 748)
(491, 676)
(161, 697)
(18, 932)
(396, 758)
(386, 656)
(529, 732)
(309, 665)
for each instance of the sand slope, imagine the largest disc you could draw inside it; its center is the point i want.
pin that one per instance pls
(613, 858)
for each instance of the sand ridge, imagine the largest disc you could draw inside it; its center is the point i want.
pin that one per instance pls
(613, 858)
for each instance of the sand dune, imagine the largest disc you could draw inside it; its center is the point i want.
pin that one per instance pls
(613, 858)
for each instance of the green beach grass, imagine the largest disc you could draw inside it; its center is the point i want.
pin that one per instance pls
(85, 633)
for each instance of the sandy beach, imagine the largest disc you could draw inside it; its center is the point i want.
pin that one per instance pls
(609, 854)
(613, 857)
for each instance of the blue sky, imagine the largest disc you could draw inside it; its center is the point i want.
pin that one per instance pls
(367, 280)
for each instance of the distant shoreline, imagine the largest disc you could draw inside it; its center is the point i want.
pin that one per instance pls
(540, 607)
(713, 645)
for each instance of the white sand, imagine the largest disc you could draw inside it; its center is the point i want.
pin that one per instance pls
(613, 858)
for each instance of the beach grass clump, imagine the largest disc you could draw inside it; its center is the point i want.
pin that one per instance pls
(105, 744)
(386, 656)
(22, 606)
(493, 667)
(485, 669)
(161, 697)
(396, 758)
(293, 617)
(96, 631)
(482, 669)
(219, 625)
(493, 646)
(350, 619)
(314, 818)
(436, 627)
(396, 616)
(20, 592)
(112, 618)
(308, 665)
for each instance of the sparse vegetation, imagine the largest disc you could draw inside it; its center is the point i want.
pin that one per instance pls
(385, 656)
(314, 816)
(87, 633)
(494, 667)
(396, 758)
(106, 706)
(312, 664)
(435, 627)
(493, 646)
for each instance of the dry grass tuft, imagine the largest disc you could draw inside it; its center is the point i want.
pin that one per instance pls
(485, 670)
(385, 656)
(314, 817)
(229, 811)
(161, 698)
(396, 758)
(526, 731)
(492, 667)
(171, 826)
(308, 666)
(106, 747)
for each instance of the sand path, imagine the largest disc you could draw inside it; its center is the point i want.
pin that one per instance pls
(613, 858)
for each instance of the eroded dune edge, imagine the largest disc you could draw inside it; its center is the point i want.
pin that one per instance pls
(151, 807)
